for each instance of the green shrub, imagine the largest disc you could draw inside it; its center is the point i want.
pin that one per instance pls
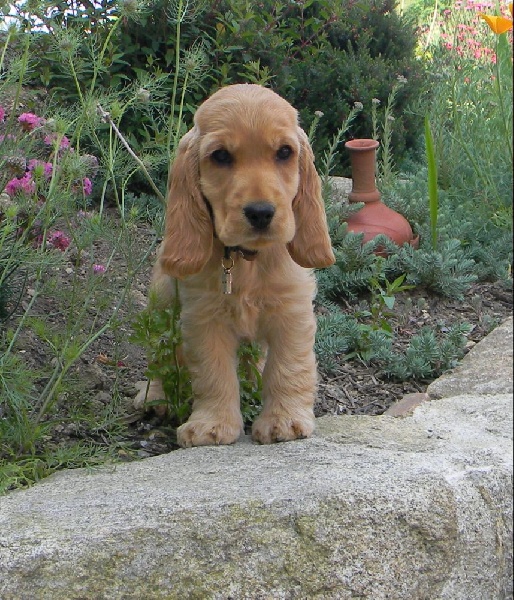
(424, 11)
(157, 330)
(146, 72)
(12, 274)
(45, 178)
(322, 55)
(342, 337)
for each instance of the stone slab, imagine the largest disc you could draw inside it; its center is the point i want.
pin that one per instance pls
(370, 507)
(486, 369)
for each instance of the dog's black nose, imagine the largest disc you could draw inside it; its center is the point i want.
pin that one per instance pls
(259, 214)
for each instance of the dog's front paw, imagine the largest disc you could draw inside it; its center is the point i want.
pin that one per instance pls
(205, 432)
(271, 428)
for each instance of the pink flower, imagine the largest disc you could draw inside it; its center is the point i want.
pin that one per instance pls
(87, 186)
(29, 121)
(51, 138)
(59, 240)
(65, 143)
(47, 167)
(99, 269)
(2, 114)
(23, 185)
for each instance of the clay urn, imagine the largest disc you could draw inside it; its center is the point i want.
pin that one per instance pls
(374, 217)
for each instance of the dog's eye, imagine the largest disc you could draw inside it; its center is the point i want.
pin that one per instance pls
(284, 152)
(222, 157)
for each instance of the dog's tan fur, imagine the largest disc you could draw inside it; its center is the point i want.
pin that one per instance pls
(271, 300)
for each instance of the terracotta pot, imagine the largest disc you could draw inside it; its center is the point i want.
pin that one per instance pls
(375, 217)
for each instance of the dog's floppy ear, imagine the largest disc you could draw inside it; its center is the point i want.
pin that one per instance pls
(311, 245)
(187, 244)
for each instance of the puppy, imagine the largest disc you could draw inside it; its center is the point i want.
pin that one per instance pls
(245, 226)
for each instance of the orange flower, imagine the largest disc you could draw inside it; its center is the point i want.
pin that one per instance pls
(499, 24)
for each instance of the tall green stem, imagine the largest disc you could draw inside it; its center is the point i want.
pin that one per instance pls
(4, 49)
(180, 111)
(432, 183)
(98, 65)
(107, 118)
(19, 83)
(178, 33)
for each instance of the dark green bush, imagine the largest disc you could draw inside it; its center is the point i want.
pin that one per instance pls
(322, 55)
(325, 55)
(369, 48)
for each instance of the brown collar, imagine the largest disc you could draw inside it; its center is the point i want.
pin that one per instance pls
(243, 252)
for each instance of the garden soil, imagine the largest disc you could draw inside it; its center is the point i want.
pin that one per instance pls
(104, 379)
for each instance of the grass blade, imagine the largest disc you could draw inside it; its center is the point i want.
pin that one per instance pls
(433, 196)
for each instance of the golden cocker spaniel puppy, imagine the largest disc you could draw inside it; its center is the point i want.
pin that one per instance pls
(245, 224)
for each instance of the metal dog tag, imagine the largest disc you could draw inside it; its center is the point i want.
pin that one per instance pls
(227, 264)
(226, 281)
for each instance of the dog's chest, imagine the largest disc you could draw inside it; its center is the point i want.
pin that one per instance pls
(261, 294)
(243, 313)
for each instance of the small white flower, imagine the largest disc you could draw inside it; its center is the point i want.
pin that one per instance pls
(358, 105)
(375, 101)
(319, 113)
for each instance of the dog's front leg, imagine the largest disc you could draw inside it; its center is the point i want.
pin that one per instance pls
(210, 351)
(289, 378)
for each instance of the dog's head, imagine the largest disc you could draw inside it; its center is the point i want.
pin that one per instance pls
(244, 173)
